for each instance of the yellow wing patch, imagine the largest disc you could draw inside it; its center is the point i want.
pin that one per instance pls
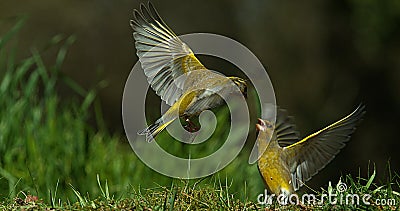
(191, 63)
(324, 129)
(162, 55)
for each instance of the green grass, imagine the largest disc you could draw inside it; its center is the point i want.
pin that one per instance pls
(181, 195)
(50, 157)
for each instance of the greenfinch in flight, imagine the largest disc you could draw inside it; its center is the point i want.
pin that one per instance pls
(287, 162)
(175, 74)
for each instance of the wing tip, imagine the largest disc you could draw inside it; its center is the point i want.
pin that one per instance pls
(146, 132)
(359, 112)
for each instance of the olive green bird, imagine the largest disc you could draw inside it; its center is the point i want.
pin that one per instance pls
(287, 162)
(175, 74)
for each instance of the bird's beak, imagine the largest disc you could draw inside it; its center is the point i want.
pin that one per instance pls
(261, 125)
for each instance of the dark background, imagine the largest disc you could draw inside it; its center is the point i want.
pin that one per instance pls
(323, 57)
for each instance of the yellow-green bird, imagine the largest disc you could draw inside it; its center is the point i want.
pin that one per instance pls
(174, 72)
(287, 162)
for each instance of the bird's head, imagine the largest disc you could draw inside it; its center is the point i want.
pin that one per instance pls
(241, 83)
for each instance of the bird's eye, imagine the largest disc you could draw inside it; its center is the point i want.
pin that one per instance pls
(269, 126)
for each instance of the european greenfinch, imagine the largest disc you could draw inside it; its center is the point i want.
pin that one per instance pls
(287, 162)
(174, 72)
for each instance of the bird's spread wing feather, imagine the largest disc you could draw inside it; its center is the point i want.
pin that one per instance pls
(163, 56)
(285, 129)
(312, 153)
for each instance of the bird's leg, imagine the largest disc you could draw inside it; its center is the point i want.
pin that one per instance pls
(192, 137)
(190, 126)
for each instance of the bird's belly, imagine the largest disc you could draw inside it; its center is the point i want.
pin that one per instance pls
(275, 173)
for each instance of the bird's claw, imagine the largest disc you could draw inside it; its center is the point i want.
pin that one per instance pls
(190, 126)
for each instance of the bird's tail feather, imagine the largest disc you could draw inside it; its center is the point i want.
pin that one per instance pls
(153, 130)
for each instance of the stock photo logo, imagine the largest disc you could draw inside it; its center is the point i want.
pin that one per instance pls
(338, 196)
(168, 65)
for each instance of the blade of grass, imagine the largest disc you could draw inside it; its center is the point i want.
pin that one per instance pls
(370, 180)
(11, 33)
(63, 52)
(81, 200)
(11, 181)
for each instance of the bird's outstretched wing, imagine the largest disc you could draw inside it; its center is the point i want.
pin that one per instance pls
(314, 152)
(163, 56)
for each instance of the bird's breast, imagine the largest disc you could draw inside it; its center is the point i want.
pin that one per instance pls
(274, 170)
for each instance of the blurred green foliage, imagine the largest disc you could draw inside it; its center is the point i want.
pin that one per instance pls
(47, 145)
(45, 141)
(323, 57)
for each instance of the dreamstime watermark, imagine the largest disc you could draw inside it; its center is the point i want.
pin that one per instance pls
(154, 156)
(339, 197)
